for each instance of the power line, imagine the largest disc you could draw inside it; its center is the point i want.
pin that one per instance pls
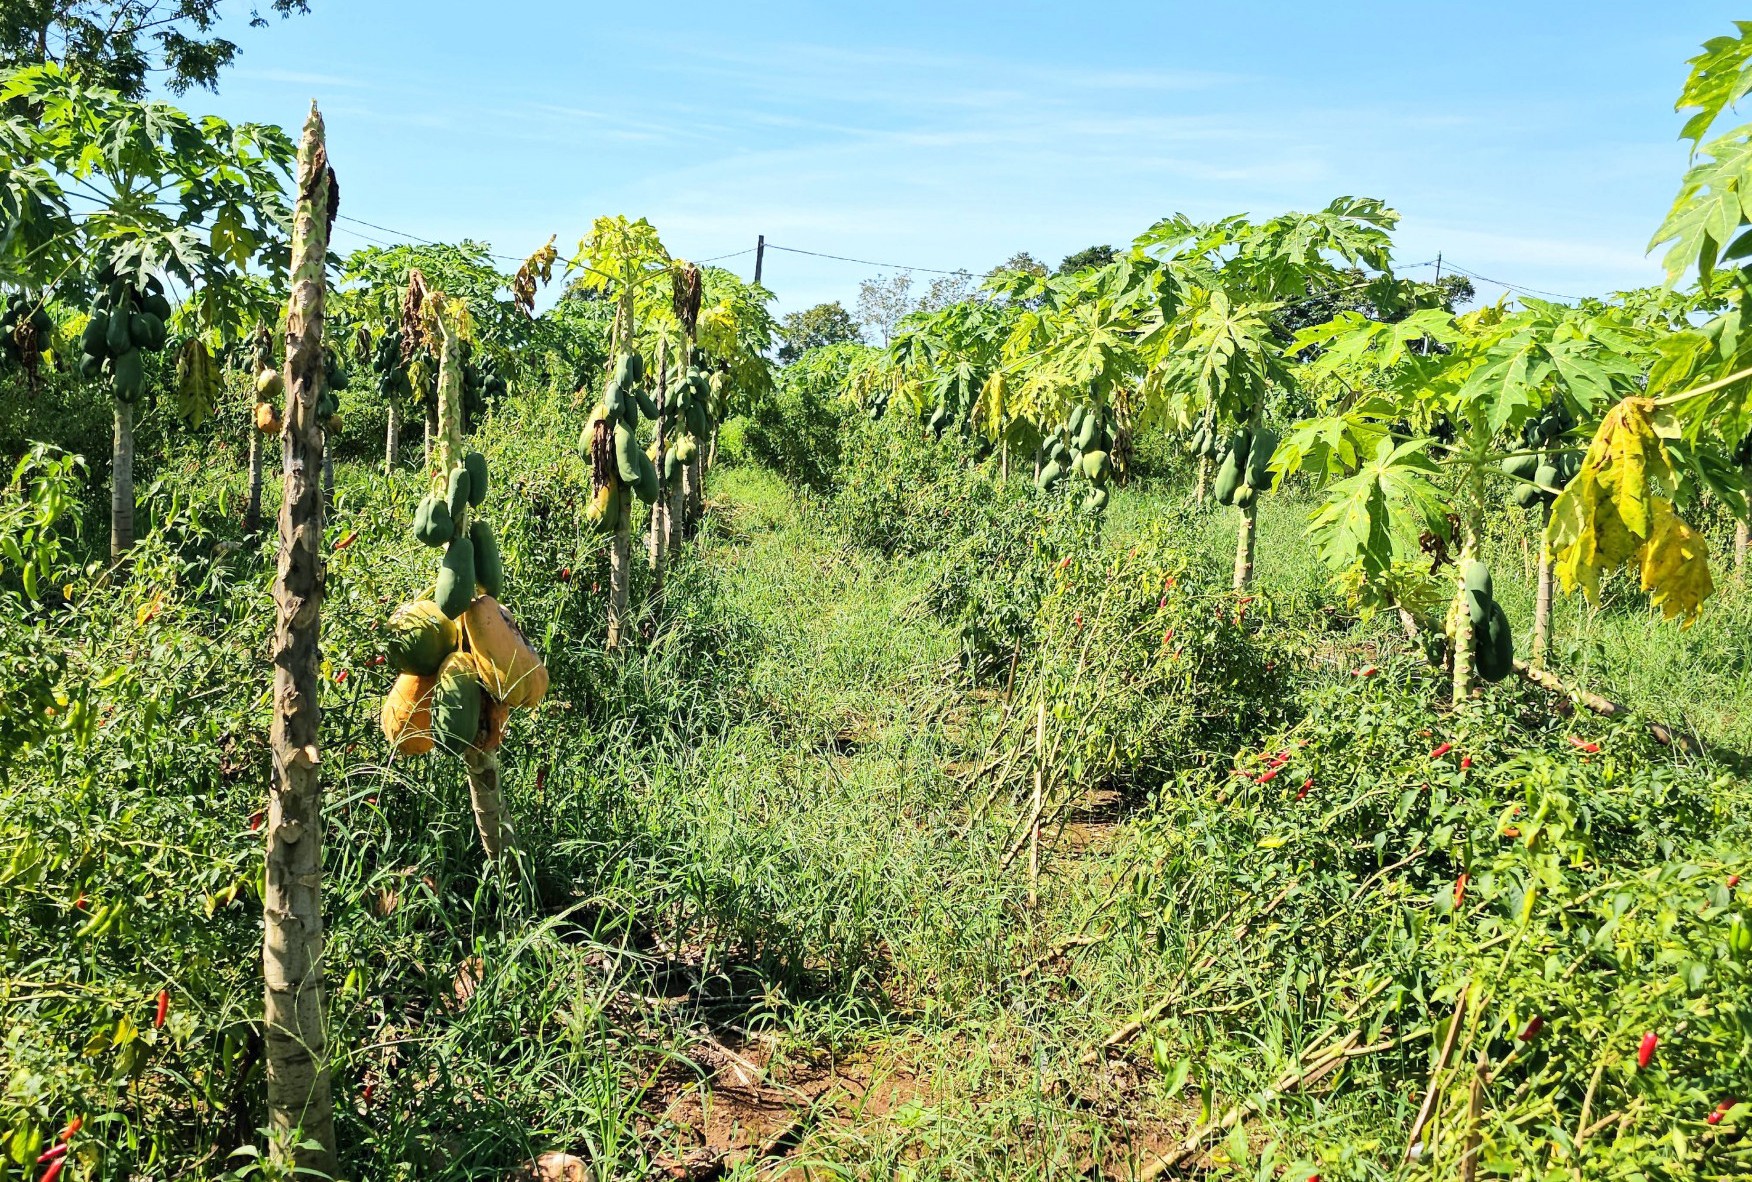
(490, 254)
(870, 263)
(1554, 295)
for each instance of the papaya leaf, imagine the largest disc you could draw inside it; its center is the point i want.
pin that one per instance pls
(1355, 524)
(1619, 510)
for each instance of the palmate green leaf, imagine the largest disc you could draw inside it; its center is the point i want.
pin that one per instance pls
(1708, 212)
(1371, 518)
(1335, 445)
(1720, 77)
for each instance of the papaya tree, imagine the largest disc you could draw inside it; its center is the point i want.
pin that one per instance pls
(295, 1034)
(159, 198)
(1217, 361)
(462, 664)
(620, 259)
(1432, 411)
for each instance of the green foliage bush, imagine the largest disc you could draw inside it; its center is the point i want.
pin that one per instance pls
(798, 427)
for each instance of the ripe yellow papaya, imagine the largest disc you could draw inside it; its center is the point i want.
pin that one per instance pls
(510, 670)
(407, 714)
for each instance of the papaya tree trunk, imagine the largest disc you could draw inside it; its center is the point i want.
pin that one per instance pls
(1465, 641)
(1202, 491)
(696, 491)
(1542, 599)
(432, 431)
(328, 473)
(712, 451)
(392, 439)
(1244, 546)
(1004, 461)
(292, 939)
(657, 529)
(620, 571)
(252, 510)
(122, 483)
(491, 818)
(1741, 535)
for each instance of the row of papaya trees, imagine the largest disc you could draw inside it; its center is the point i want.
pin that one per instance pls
(200, 292)
(1289, 349)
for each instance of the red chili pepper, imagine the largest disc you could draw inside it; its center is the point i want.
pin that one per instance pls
(1309, 783)
(1269, 776)
(540, 777)
(1583, 746)
(1077, 620)
(1246, 599)
(1460, 888)
(54, 1171)
(1441, 751)
(255, 820)
(79, 903)
(1465, 762)
(73, 1126)
(341, 677)
(346, 541)
(1733, 881)
(565, 574)
(365, 1095)
(595, 587)
(55, 1154)
(1721, 1110)
(378, 660)
(1064, 562)
(1531, 1031)
(1511, 831)
(1365, 671)
(1646, 1049)
(163, 1009)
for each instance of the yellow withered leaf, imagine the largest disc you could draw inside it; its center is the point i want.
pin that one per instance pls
(1619, 510)
(1675, 565)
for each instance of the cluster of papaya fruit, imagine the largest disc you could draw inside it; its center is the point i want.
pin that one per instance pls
(610, 441)
(270, 387)
(1493, 640)
(462, 664)
(126, 321)
(481, 384)
(25, 327)
(1243, 462)
(1088, 451)
(334, 380)
(471, 552)
(197, 382)
(393, 384)
(457, 680)
(1539, 478)
(939, 420)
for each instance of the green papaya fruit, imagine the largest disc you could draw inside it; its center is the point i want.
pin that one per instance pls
(419, 637)
(156, 304)
(456, 578)
(1545, 476)
(646, 406)
(1196, 446)
(1049, 475)
(1085, 435)
(1494, 649)
(460, 493)
(629, 369)
(90, 366)
(1228, 478)
(1074, 424)
(626, 453)
(1096, 501)
(1241, 444)
(1475, 576)
(94, 338)
(489, 566)
(671, 466)
(614, 399)
(476, 464)
(1096, 466)
(456, 704)
(1245, 496)
(1521, 467)
(433, 524)
(146, 331)
(1527, 496)
(117, 338)
(130, 376)
(646, 485)
(1259, 453)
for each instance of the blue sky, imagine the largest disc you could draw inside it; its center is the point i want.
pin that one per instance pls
(1529, 142)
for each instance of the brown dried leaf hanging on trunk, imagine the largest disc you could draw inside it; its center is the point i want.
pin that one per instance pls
(685, 284)
(538, 267)
(414, 329)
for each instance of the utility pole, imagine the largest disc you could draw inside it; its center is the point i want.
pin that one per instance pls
(1438, 268)
(759, 255)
